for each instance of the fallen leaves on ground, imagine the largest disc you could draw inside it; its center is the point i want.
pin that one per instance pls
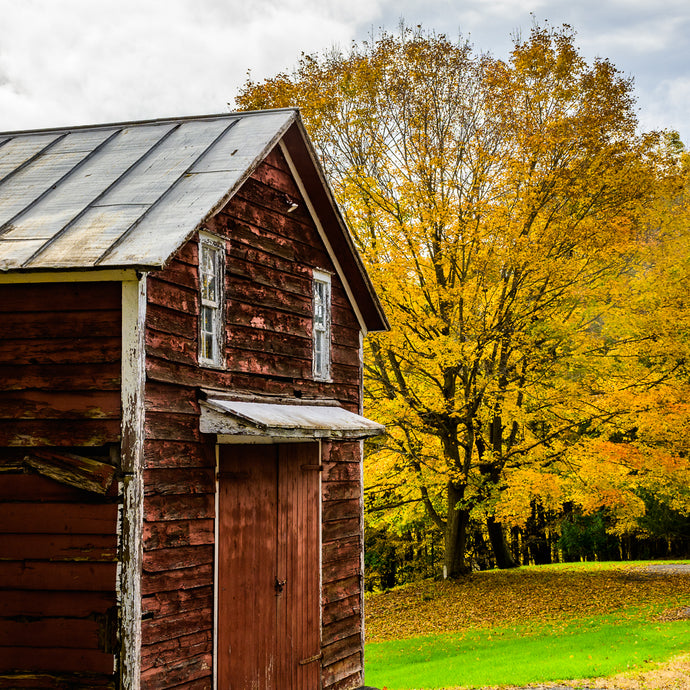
(515, 597)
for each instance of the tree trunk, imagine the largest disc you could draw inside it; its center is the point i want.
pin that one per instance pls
(504, 559)
(454, 565)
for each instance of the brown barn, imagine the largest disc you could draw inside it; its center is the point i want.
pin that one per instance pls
(181, 320)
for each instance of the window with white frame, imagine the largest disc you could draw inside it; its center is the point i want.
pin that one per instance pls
(322, 326)
(211, 286)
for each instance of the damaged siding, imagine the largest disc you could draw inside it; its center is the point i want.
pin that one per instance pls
(59, 424)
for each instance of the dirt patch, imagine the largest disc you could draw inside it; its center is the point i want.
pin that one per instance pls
(667, 568)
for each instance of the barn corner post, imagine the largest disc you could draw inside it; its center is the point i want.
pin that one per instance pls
(132, 460)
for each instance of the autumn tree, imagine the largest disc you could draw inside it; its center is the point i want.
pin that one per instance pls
(639, 456)
(491, 201)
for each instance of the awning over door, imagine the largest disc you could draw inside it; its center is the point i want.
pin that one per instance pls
(271, 420)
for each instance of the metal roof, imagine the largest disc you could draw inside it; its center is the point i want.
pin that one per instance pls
(303, 421)
(123, 195)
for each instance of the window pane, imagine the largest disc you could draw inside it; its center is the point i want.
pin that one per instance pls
(211, 331)
(321, 327)
(208, 262)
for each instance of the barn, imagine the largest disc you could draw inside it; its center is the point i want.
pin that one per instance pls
(182, 311)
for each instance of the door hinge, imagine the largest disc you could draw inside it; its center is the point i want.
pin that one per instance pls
(311, 659)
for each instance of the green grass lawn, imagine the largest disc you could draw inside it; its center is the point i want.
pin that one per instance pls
(549, 641)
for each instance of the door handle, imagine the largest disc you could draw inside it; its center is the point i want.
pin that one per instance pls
(279, 586)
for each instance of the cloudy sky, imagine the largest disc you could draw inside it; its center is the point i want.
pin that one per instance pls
(68, 62)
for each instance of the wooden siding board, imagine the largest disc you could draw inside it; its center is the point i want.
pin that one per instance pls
(32, 404)
(179, 349)
(174, 674)
(55, 660)
(350, 666)
(165, 293)
(178, 601)
(163, 628)
(54, 633)
(58, 432)
(161, 508)
(57, 518)
(178, 454)
(44, 681)
(58, 547)
(183, 578)
(341, 629)
(52, 603)
(166, 652)
(260, 318)
(166, 560)
(167, 319)
(342, 550)
(60, 350)
(81, 376)
(163, 426)
(342, 608)
(164, 482)
(66, 576)
(341, 588)
(71, 324)
(21, 485)
(63, 297)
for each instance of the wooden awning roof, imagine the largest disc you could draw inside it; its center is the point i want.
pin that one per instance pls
(242, 419)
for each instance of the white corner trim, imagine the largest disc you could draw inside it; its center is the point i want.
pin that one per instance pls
(132, 461)
(216, 532)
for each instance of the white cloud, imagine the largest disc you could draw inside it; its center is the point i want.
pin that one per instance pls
(78, 61)
(92, 61)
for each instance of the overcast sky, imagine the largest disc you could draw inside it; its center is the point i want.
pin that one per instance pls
(69, 62)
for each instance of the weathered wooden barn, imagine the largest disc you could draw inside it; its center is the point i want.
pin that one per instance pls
(181, 320)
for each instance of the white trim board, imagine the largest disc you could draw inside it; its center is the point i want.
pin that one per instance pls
(106, 275)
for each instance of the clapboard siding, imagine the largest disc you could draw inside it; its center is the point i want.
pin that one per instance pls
(342, 544)
(178, 530)
(58, 552)
(60, 377)
(60, 364)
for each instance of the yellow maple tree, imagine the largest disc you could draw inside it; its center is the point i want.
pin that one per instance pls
(492, 201)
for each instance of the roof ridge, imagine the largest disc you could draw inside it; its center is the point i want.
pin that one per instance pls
(154, 121)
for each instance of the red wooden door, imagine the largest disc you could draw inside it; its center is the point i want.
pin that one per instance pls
(268, 568)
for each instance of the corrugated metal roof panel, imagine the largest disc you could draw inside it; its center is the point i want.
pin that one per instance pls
(203, 190)
(122, 195)
(16, 151)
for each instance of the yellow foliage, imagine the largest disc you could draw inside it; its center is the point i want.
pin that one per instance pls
(504, 210)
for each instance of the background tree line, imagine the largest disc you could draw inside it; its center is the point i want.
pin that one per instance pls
(531, 250)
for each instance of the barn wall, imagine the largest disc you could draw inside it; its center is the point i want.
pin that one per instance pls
(59, 391)
(268, 336)
(59, 364)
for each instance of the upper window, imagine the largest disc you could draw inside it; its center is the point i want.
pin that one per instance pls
(211, 284)
(322, 326)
